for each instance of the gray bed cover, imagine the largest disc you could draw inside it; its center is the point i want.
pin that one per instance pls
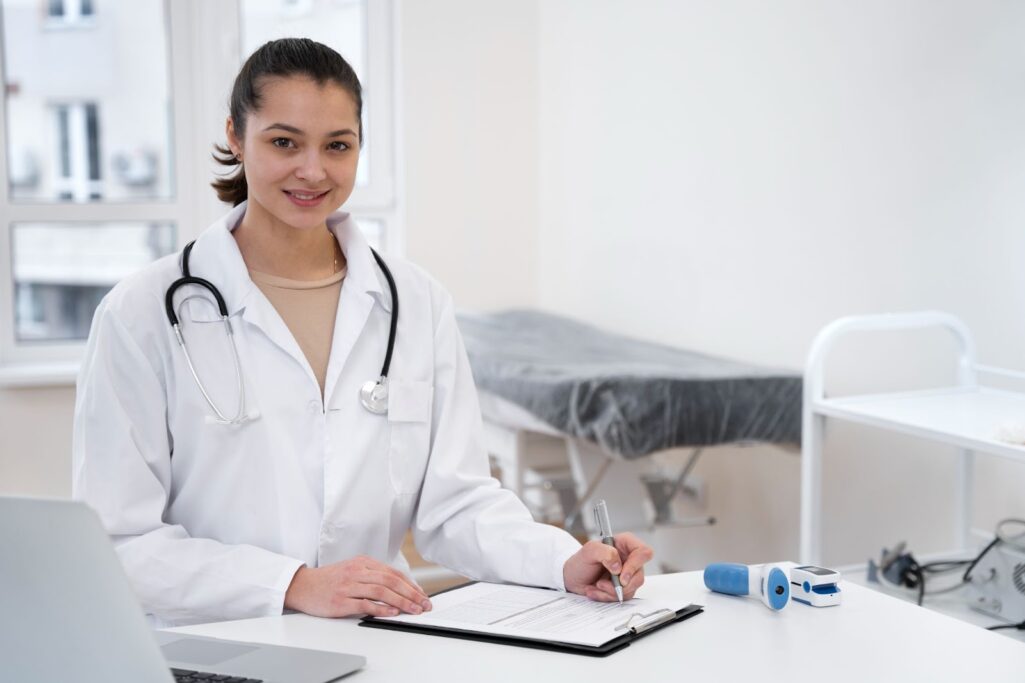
(629, 396)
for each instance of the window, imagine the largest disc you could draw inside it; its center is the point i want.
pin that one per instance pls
(78, 151)
(62, 270)
(68, 13)
(107, 134)
(86, 181)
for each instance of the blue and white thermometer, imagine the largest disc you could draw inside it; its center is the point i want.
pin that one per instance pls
(766, 581)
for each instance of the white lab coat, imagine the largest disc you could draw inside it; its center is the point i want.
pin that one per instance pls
(211, 521)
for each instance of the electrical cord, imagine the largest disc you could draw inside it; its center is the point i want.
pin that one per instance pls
(967, 576)
(1020, 626)
(914, 574)
(1014, 541)
(944, 566)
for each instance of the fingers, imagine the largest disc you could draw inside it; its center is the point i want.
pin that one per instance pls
(379, 573)
(606, 589)
(397, 591)
(374, 609)
(596, 595)
(382, 594)
(630, 587)
(605, 555)
(626, 560)
(636, 554)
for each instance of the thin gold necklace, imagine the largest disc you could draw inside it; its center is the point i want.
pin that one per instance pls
(337, 250)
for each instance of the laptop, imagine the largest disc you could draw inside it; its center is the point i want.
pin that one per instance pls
(68, 613)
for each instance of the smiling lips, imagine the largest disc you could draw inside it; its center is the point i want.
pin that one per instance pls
(306, 199)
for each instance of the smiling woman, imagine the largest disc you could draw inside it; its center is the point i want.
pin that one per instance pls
(301, 501)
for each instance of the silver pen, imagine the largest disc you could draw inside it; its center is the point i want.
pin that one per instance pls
(601, 520)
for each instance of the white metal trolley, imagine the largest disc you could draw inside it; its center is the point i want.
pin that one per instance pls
(966, 415)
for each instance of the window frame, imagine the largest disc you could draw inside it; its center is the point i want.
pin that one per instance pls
(203, 59)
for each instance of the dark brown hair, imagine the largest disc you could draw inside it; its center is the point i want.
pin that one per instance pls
(284, 57)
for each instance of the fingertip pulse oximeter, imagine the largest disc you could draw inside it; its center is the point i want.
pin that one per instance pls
(815, 586)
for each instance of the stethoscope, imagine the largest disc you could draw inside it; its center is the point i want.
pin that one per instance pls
(373, 394)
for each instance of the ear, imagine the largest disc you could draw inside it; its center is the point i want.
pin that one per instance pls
(234, 144)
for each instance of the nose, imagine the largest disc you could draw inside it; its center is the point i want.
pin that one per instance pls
(311, 168)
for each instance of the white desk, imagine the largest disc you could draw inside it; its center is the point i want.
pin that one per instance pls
(870, 637)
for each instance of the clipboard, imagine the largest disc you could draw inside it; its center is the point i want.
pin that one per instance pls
(636, 626)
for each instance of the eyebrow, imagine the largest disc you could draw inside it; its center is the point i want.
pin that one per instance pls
(292, 129)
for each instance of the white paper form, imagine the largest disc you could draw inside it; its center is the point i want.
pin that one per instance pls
(536, 613)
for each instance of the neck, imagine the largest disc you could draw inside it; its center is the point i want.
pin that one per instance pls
(276, 248)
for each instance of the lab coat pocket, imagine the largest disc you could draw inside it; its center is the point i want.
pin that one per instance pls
(409, 425)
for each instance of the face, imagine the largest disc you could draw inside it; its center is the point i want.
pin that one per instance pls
(300, 151)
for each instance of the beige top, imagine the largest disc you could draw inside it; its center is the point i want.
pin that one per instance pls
(308, 309)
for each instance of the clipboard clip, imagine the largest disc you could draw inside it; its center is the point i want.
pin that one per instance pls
(639, 623)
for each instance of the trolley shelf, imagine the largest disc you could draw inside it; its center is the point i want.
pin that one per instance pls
(968, 417)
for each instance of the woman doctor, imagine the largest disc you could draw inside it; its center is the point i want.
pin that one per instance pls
(293, 495)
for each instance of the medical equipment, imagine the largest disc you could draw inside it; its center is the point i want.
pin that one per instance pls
(373, 394)
(768, 582)
(998, 584)
(572, 413)
(604, 526)
(997, 575)
(815, 586)
(629, 396)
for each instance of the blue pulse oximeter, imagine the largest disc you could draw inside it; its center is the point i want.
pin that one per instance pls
(815, 586)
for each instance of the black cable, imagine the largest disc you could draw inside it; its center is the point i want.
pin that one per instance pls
(913, 576)
(1020, 626)
(967, 572)
(920, 575)
(944, 566)
(916, 572)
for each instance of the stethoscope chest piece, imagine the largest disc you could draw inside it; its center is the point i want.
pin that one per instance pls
(374, 396)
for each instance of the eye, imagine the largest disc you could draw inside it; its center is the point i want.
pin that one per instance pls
(282, 143)
(338, 146)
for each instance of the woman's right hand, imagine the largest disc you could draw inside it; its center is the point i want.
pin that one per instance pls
(361, 585)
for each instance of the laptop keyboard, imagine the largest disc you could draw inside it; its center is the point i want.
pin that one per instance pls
(186, 676)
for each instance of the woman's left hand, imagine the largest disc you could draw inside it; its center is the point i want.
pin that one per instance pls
(588, 571)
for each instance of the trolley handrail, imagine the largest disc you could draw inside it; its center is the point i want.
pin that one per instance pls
(814, 388)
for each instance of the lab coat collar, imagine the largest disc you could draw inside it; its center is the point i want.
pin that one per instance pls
(362, 271)
(216, 257)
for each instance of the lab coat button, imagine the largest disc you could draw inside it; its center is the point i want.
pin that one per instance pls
(313, 406)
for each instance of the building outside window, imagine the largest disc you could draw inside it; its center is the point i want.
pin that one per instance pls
(107, 133)
(78, 151)
(69, 12)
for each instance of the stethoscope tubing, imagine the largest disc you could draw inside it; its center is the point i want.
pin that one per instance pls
(393, 325)
(188, 279)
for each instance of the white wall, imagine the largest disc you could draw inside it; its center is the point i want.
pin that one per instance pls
(469, 123)
(731, 175)
(35, 441)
